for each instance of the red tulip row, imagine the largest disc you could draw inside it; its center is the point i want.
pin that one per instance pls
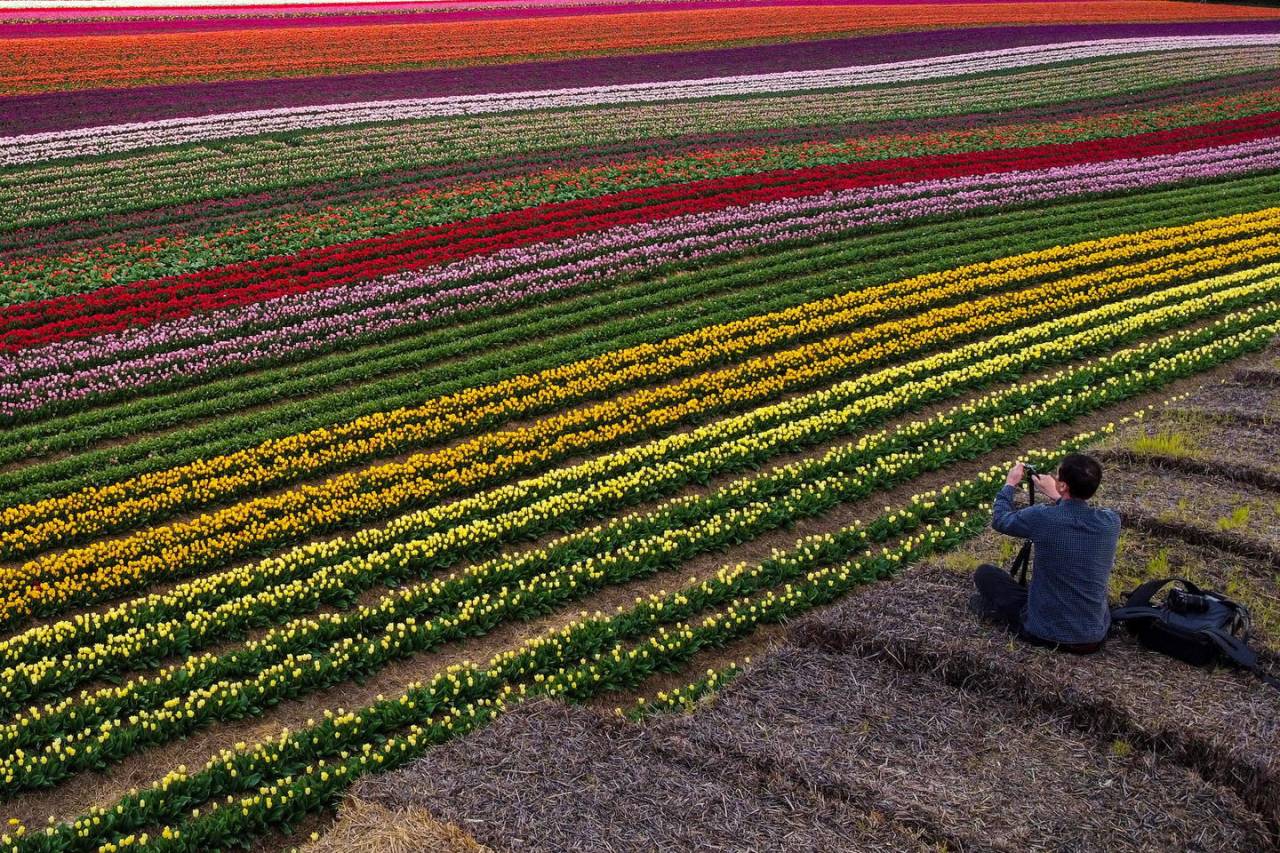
(144, 302)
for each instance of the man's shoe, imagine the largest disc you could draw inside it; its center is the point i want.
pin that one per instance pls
(980, 607)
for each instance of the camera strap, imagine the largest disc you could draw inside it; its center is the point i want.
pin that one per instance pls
(1020, 563)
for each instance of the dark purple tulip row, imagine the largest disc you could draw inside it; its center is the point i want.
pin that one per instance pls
(64, 110)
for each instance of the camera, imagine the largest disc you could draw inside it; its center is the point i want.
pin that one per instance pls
(1029, 470)
(1181, 601)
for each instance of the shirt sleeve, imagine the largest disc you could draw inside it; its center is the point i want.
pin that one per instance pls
(1014, 522)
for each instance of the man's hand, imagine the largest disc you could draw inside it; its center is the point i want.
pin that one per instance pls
(1015, 475)
(1047, 485)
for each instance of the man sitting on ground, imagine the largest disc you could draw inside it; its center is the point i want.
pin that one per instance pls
(1065, 606)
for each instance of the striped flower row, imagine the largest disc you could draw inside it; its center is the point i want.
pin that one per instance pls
(222, 774)
(1196, 247)
(802, 422)
(298, 325)
(129, 188)
(104, 567)
(490, 203)
(709, 347)
(303, 577)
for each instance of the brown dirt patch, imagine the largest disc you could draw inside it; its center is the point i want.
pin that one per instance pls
(1221, 723)
(549, 777)
(982, 772)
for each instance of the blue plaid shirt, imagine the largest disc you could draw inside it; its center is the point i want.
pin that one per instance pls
(1075, 549)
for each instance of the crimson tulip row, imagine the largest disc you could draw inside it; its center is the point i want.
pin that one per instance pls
(140, 303)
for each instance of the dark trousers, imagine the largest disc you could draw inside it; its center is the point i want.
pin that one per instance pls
(1004, 598)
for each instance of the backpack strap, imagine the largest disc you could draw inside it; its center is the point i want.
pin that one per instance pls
(1137, 604)
(1143, 594)
(1235, 650)
(1129, 613)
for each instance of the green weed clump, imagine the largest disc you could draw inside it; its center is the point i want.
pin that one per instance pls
(1167, 443)
(1121, 748)
(962, 562)
(1238, 518)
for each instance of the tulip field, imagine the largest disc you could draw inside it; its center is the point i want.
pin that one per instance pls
(367, 367)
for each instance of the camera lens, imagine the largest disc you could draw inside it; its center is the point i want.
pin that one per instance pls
(1181, 601)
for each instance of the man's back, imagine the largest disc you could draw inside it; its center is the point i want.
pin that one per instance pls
(1075, 546)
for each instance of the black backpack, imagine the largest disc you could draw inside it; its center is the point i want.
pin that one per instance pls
(1192, 625)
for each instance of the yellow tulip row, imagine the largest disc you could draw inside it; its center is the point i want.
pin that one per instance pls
(335, 773)
(344, 729)
(685, 697)
(402, 599)
(355, 759)
(637, 657)
(225, 534)
(206, 605)
(338, 770)
(183, 711)
(348, 572)
(179, 712)
(85, 511)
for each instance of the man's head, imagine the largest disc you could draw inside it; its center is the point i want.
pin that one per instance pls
(1079, 476)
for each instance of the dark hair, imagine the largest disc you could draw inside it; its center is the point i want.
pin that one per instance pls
(1081, 473)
